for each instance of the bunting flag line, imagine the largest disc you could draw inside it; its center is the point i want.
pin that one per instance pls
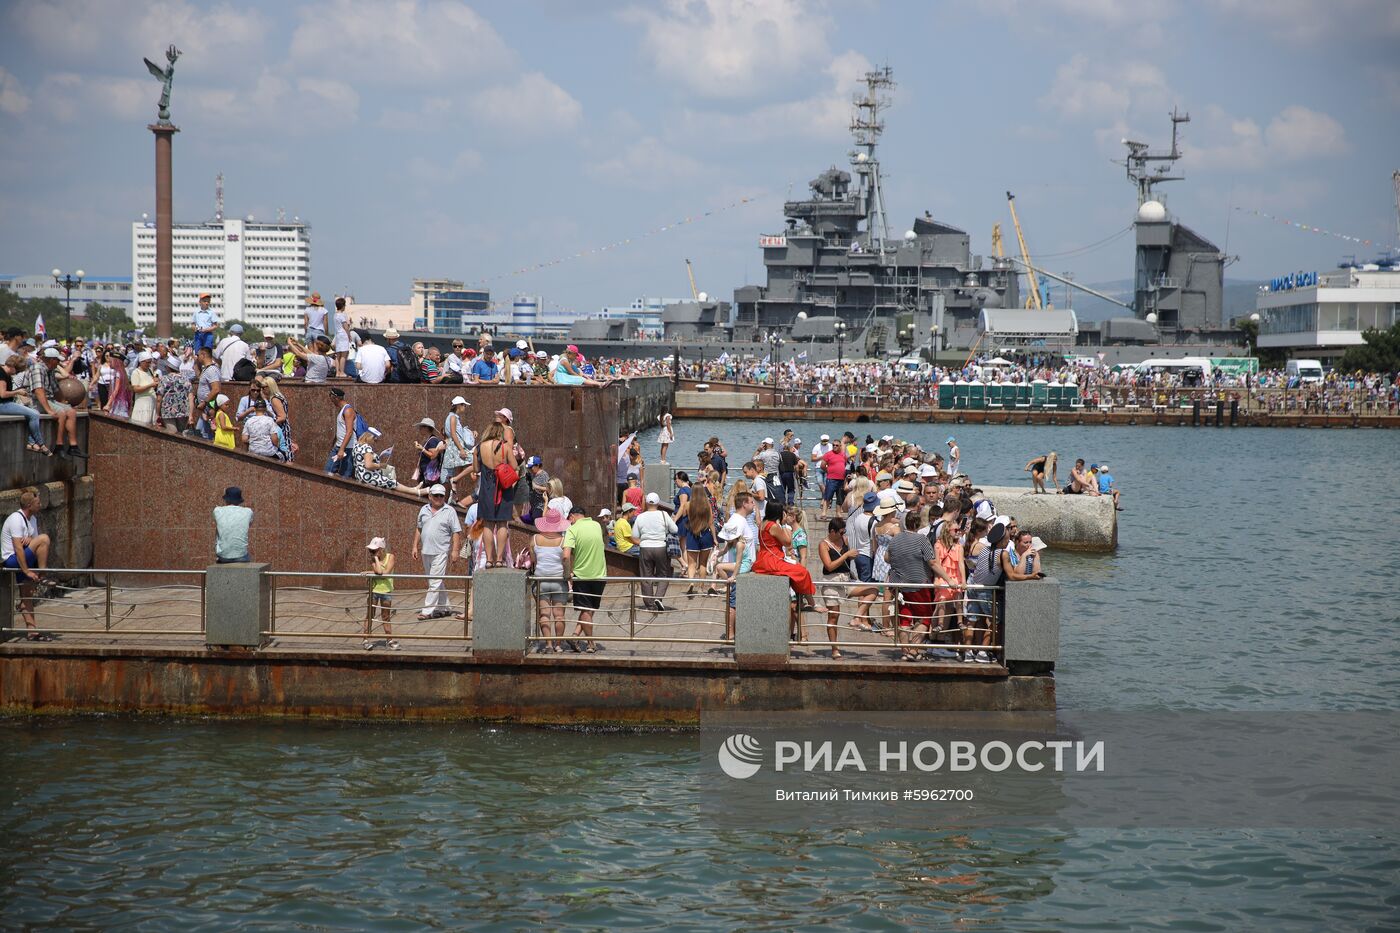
(626, 241)
(1309, 228)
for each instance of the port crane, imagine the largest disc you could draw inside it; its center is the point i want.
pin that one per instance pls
(691, 272)
(1034, 300)
(1034, 274)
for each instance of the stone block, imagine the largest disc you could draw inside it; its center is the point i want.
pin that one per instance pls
(1033, 620)
(1079, 523)
(658, 480)
(500, 614)
(237, 604)
(762, 621)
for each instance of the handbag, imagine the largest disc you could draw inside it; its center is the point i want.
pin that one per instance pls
(506, 478)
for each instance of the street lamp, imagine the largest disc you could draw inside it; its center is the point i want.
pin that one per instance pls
(67, 283)
(840, 327)
(940, 339)
(776, 343)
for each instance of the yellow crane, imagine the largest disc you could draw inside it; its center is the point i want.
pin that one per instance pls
(1034, 300)
(996, 242)
(691, 272)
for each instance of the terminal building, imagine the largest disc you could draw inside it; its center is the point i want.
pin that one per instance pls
(258, 273)
(112, 291)
(1321, 316)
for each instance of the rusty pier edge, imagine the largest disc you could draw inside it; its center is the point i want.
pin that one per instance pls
(54, 679)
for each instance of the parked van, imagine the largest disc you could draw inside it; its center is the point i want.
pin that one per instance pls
(1305, 371)
(1193, 370)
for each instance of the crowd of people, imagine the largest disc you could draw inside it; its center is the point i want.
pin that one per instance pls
(910, 542)
(897, 383)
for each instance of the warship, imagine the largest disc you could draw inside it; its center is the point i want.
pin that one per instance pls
(838, 280)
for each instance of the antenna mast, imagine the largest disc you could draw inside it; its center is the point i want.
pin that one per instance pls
(219, 198)
(866, 127)
(1145, 175)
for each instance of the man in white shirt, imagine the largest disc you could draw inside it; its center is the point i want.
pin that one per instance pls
(437, 538)
(372, 362)
(23, 549)
(651, 529)
(230, 351)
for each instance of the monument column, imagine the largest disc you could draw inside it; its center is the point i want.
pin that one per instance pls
(165, 315)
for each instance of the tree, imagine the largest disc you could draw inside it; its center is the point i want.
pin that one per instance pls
(1269, 358)
(1379, 354)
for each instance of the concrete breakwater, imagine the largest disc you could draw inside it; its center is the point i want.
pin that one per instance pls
(1077, 523)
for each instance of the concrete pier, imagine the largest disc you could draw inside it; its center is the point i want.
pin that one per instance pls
(1077, 523)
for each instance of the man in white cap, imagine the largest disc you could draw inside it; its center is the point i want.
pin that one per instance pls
(231, 351)
(768, 455)
(651, 529)
(437, 538)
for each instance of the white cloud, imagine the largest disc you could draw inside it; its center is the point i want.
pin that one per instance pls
(105, 34)
(825, 115)
(68, 95)
(1296, 134)
(532, 104)
(1300, 133)
(1305, 23)
(646, 164)
(13, 100)
(303, 105)
(731, 48)
(464, 163)
(398, 43)
(1103, 90)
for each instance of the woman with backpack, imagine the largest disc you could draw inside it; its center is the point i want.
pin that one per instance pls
(498, 474)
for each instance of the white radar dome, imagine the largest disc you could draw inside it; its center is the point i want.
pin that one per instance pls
(802, 315)
(910, 235)
(703, 296)
(1152, 211)
(1151, 317)
(862, 157)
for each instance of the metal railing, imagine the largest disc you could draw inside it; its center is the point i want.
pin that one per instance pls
(628, 611)
(117, 602)
(301, 609)
(921, 621)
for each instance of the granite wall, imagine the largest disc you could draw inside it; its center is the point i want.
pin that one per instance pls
(574, 430)
(153, 493)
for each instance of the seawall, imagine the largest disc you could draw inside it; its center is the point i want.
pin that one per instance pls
(303, 518)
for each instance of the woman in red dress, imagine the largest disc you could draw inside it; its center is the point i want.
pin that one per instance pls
(772, 538)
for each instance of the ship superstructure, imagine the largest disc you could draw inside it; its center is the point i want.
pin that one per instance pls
(835, 262)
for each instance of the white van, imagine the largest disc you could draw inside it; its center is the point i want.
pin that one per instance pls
(1305, 371)
(1192, 370)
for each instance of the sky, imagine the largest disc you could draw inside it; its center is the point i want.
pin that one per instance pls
(483, 141)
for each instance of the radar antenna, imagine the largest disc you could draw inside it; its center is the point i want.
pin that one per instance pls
(866, 127)
(1139, 162)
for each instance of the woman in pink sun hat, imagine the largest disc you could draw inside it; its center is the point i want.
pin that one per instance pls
(568, 372)
(547, 545)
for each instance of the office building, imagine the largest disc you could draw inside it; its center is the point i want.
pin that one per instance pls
(1320, 316)
(113, 291)
(255, 272)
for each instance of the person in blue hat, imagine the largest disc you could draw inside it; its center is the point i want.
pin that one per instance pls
(231, 523)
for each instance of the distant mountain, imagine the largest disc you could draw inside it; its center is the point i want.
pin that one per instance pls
(1239, 299)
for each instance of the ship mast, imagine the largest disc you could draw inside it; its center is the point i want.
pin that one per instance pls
(866, 127)
(1144, 175)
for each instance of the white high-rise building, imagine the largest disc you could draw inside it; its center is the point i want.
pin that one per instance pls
(258, 273)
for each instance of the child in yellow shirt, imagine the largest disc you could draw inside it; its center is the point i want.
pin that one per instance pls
(224, 432)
